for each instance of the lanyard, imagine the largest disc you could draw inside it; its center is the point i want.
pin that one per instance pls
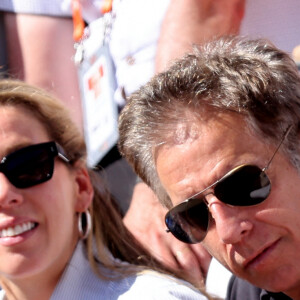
(78, 22)
(107, 6)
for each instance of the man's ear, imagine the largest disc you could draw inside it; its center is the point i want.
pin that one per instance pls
(84, 188)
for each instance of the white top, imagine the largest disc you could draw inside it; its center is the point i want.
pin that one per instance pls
(79, 282)
(39, 7)
(59, 8)
(217, 279)
(134, 40)
(276, 20)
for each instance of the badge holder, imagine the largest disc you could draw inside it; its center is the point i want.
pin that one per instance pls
(97, 85)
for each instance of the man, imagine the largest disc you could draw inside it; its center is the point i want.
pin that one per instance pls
(216, 138)
(189, 22)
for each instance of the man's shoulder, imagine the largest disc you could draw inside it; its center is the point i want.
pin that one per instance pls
(240, 289)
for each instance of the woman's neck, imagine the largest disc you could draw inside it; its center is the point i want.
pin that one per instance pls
(37, 286)
(26, 290)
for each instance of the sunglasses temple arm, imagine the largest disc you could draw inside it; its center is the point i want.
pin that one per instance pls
(282, 140)
(63, 157)
(61, 153)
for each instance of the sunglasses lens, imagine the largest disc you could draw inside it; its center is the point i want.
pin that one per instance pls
(189, 221)
(30, 166)
(248, 185)
(244, 186)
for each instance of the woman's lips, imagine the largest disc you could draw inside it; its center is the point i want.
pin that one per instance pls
(12, 231)
(13, 235)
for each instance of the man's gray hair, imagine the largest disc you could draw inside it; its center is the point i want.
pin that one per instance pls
(249, 77)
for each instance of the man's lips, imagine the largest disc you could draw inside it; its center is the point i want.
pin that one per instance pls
(260, 255)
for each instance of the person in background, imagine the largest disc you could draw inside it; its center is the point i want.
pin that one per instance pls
(261, 20)
(216, 136)
(196, 22)
(37, 47)
(61, 236)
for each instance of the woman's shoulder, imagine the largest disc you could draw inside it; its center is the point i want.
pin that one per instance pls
(153, 285)
(80, 282)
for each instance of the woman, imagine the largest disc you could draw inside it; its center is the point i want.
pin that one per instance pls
(47, 206)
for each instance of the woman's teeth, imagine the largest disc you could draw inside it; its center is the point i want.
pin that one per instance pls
(16, 230)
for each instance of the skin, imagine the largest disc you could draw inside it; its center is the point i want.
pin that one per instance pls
(39, 256)
(192, 22)
(260, 243)
(39, 51)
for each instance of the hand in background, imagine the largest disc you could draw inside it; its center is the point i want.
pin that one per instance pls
(145, 220)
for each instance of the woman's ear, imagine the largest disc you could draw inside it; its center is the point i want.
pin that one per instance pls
(84, 188)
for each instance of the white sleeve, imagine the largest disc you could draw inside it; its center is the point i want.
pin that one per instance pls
(217, 279)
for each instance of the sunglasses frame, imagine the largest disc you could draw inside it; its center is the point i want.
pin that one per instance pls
(189, 239)
(10, 163)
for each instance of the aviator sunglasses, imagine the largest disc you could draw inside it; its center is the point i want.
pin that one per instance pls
(31, 165)
(245, 185)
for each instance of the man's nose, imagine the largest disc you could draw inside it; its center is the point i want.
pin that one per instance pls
(9, 195)
(232, 223)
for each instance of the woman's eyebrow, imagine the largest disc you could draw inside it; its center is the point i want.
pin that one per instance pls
(14, 147)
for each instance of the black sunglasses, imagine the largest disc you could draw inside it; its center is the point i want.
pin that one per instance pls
(31, 165)
(245, 185)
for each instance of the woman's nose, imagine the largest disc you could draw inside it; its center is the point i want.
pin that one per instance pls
(9, 195)
(233, 223)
